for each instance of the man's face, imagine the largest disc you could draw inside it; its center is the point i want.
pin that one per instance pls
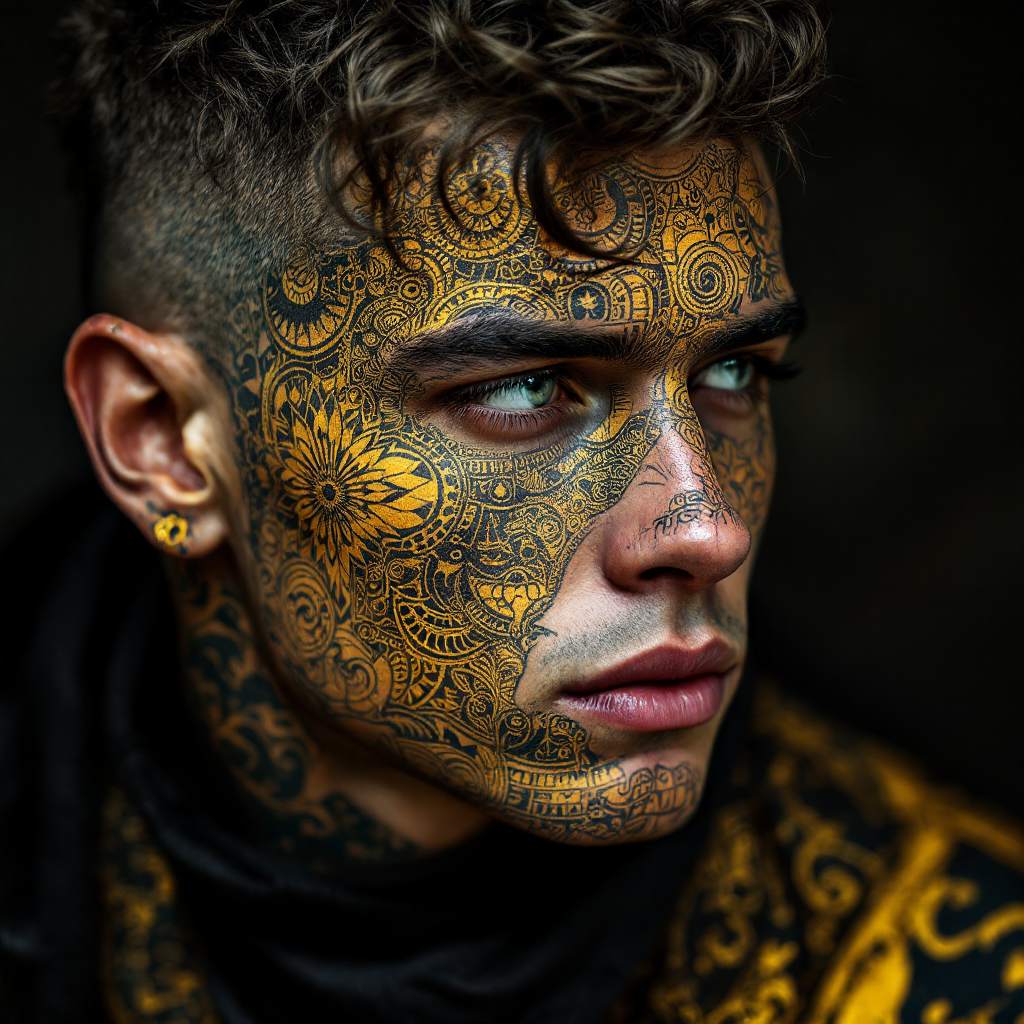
(501, 498)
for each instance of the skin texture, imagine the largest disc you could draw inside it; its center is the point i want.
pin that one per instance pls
(385, 579)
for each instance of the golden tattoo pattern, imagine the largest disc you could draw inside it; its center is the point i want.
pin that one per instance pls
(264, 743)
(402, 573)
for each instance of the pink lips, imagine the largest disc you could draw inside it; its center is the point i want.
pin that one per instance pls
(665, 688)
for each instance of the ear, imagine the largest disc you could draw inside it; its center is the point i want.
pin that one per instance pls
(156, 426)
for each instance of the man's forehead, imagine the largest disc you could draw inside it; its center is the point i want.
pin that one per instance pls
(611, 205)
(691, 235)
(482, 181)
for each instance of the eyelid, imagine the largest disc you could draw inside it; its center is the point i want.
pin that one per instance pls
(463, 395)
(772, 369)
(571, 407)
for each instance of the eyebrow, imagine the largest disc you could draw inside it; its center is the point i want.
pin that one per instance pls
(782, 319)
(498, 334)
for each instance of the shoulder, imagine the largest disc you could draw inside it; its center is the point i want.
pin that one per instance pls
(840, 885)
(942, 921)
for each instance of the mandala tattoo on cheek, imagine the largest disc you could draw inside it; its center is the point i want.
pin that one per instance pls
(402, 573)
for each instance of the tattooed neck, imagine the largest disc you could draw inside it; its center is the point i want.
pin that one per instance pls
(308, 795)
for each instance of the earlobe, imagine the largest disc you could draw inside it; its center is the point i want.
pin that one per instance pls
(144, 406)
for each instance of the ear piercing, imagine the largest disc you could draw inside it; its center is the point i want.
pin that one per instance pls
(171, 529)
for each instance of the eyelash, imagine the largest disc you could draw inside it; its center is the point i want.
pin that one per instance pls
(460, 405)
(763, 367)
(746, 398)
(771, 370)
(494, 386)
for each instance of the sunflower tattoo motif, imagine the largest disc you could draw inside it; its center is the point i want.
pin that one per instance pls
(347, 486)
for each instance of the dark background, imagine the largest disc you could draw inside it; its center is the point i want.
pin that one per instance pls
(889, 586)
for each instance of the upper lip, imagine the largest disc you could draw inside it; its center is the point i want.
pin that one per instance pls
(663, 663)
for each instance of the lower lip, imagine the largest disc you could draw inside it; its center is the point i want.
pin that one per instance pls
(652, 707)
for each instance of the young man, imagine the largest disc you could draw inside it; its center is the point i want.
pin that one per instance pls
(436, 366)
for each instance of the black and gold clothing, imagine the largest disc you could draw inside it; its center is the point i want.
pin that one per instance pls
(822, 880)
(838, 887)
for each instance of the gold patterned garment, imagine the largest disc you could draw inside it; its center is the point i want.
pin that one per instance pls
(840, 888)
(150, 968)
(837, 887)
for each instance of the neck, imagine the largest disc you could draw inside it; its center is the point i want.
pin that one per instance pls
(315, 796)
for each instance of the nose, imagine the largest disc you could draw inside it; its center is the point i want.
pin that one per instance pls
(674, 523)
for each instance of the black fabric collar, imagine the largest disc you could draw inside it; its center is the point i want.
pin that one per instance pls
(505, 928)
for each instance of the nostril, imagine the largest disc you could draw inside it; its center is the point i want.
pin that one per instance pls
(663, 572)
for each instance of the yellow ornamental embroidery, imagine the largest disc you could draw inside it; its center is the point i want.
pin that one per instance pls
(149, 970)
(1013, 970)
(722, 963)
(959, 894)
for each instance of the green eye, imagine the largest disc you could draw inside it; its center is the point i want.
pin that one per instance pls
(727, 375)
(520, 395)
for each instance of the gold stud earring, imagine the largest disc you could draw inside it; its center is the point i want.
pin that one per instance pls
(171, 529)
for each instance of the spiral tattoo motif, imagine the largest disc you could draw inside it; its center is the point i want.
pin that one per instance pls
(308, 608)
(709, 279)
(488, 217)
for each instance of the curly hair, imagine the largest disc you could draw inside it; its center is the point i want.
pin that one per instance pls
(199, 118)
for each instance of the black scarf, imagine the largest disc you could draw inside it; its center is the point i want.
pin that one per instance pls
(504, 928)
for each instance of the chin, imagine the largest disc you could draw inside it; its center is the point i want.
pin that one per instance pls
(616, 801)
